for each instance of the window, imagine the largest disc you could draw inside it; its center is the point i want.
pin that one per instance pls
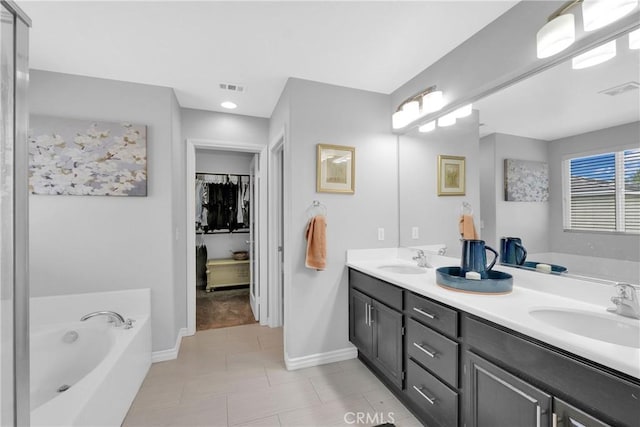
(603, 192)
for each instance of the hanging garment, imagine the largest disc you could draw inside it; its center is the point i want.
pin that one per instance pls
(201, 266)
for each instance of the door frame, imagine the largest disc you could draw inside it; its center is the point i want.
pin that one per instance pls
(244, 147)
(277, 286)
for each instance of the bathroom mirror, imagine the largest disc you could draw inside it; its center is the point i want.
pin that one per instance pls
(550, 118)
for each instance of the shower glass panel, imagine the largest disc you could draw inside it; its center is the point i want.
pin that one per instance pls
(7, 198)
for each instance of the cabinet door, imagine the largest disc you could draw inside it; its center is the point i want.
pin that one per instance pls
(360, 331)
(569, 416)
(387, 341)
(499, 399)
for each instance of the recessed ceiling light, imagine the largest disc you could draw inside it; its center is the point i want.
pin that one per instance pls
(228, 104)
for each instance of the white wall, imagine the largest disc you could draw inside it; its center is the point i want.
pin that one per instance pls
(214, 161)
(437, 217)
(88, 244)
(527, 220)
(606, 245)
(316, 317)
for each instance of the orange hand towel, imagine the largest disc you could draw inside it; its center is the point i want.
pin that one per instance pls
(316, 243)
(467, 229)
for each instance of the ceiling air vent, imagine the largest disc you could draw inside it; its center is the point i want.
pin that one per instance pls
(617, 90)
(233, 87)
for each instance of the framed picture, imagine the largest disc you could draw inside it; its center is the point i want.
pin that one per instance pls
(526, 181)
(451, 176)
(336, 169)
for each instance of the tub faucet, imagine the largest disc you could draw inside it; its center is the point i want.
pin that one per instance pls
(626, 302)
(114, 317)
(422, 259)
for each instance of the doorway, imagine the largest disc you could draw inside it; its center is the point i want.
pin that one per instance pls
(253, 238)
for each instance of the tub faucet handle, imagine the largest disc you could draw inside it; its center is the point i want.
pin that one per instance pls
(128, 324)
(626, 302)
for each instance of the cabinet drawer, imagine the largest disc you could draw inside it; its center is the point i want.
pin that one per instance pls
(382, 291)
(434, 399)
(436, 352)
(433, 314)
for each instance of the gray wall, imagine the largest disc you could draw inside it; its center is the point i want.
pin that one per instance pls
(214, 161)
(616, 246)
(527, 220)
(199, 124)
(317, 301)
(90, 244)
(420, 206)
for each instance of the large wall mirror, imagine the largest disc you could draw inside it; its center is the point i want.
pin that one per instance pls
(578, 129)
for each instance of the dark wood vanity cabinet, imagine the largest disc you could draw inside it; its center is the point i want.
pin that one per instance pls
(376, 329)
(461, 370)
(497, 398)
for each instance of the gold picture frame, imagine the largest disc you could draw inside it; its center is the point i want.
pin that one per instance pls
(451, 176)
(335, 169)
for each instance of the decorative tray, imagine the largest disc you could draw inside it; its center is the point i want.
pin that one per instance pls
(554, 268)
(497, 282)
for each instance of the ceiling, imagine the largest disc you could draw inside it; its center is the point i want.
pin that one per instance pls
(194, 46)
(561, 101)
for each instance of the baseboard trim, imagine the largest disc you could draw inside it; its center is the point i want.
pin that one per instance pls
(293, 363)
(172, 353)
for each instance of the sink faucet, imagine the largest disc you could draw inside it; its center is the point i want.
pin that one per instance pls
(626, 302)
(422, 259)
(114, 317)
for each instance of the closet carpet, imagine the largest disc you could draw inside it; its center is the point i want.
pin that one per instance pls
(223, 308)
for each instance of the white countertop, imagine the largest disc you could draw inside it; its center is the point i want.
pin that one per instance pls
(531, 290)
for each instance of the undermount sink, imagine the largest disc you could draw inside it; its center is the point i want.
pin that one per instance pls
(593, 325)
(403, 269)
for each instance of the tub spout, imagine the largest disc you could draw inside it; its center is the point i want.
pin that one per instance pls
(117, 319)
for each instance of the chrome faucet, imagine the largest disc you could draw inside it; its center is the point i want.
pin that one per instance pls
(422, 259)
(626, 302)
(114, 317)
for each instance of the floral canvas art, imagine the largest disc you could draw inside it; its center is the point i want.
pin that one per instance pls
(526, 181)
(85, 157)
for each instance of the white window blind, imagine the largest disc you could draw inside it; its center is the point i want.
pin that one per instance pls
(604, 192)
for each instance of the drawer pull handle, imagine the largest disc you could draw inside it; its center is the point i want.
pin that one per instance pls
(424, 350)
(431, 400)
(424, 313)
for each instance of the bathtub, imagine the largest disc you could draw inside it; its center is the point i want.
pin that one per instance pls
(86, 373)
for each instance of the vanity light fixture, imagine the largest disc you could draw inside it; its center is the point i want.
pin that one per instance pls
(447, 120)
(634, 39)
(595, 56)
(598, 13)
(558, 33)
(416, 106)
(229, 105)
(428, 127)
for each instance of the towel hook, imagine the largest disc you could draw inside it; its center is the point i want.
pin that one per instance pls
(466, 209)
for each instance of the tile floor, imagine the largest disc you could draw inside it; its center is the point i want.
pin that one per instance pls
(236, 377)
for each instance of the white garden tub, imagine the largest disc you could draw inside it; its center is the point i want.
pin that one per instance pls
(87, 373)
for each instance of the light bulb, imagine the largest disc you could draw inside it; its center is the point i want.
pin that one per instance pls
(556, 35)
(598, 13)
(399, 119)
(229, 105)
(432, 101)
(428, 127)
(595, 56)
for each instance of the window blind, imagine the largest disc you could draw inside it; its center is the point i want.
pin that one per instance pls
(605, 192)
(632, 190)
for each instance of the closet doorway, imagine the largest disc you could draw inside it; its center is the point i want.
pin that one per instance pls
(225, 168)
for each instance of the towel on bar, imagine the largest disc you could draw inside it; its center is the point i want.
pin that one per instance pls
(316, 243)
(467, 229)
